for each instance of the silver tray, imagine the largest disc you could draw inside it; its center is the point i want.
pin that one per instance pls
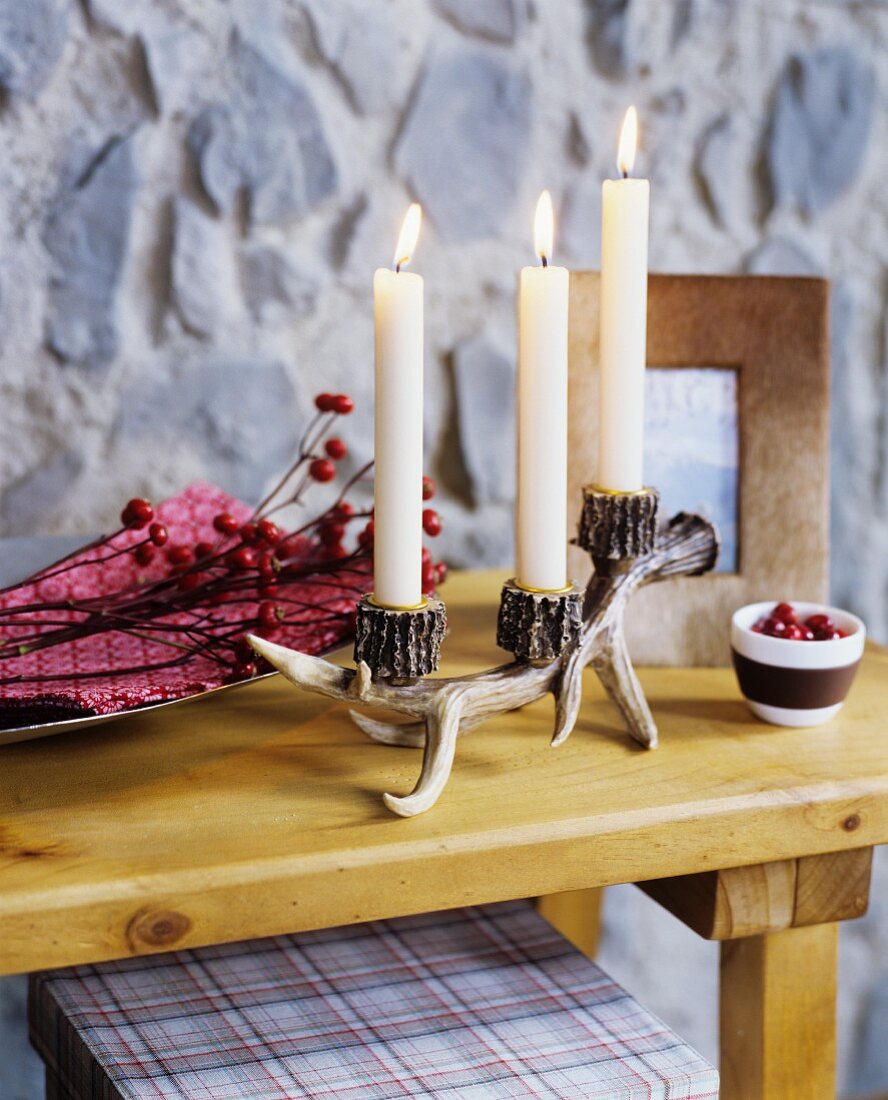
(72, 725)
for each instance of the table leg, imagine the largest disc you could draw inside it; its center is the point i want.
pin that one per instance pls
(577, 916)
(778, 1005)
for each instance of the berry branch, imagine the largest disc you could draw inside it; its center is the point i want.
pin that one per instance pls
(251, 577)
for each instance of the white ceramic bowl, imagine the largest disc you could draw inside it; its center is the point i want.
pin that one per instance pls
(792, 683)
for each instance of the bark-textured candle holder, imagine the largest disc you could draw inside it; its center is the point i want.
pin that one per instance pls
(398, 643)
(538, 625)
(619, 531)
(616, 528)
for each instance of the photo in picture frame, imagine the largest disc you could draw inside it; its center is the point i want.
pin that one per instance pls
(737, 427)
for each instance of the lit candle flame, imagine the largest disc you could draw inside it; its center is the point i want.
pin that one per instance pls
(544, 228)
(628, 142)
(408, 236)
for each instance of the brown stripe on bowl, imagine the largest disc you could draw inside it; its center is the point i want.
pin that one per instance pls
(793, 688)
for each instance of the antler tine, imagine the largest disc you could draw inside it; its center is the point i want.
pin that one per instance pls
(442, 729)
(445, 707)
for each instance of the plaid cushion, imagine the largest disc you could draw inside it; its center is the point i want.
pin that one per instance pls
(469, 1004)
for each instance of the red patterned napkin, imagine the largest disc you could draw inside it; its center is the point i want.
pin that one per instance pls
(189, 518)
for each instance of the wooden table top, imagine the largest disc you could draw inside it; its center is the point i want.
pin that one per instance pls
(258, 811)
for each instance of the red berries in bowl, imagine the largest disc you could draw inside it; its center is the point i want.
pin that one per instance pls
(795, 685)
(784, 621)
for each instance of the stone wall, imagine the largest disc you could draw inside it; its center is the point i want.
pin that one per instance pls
(194, 195)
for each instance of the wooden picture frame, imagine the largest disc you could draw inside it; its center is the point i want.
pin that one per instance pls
(774, 333)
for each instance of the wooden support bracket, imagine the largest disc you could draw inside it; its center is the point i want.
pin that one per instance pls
(768, 897)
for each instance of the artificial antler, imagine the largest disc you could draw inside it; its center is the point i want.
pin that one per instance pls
(445, 707)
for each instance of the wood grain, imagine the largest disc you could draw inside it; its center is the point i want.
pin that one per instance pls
(833, 887)
(778, 1003)
(257, 812)
(738, 901)
(746, 901)
(774, 333)
(577, 916)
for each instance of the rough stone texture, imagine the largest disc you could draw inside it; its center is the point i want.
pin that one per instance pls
(628, 37)
(781, 256)
(203, 281)
(172, 53)
(42, 491)
(538, 626)
(273, 287)
(86, 233)
(463, 146)
(159, 65)
(715, 170)
(817, 135)
(366, 50)
(32, 37)
(496, 20)
(579, 223)
(240, 414)
(485, 402)
(402, 644)
(265, 140)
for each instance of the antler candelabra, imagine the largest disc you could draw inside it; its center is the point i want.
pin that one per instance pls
(553, 636)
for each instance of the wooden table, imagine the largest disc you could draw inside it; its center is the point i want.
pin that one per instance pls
(259, 812)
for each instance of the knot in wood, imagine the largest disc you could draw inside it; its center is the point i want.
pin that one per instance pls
(538, 626)
(399, 644)
(618, 526)
(156, 928)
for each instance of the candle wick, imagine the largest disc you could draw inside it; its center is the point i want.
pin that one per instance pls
(625, 174)
(398, 267)
(545, 260)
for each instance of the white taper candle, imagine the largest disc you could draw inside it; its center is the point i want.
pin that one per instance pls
(398, 311)
(541, 550)
(624, 249)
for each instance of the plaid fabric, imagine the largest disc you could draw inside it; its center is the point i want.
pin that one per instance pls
(471, 1003)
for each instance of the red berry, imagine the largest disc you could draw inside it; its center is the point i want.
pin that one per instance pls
(428, 488)
(268, 615)
(245, 671)
(342, 511)
(268, 566)
(431, 522)
(243, 558)
(342, 404)
(324, 402)
(322, 469)
(827, 634)
(138, 513)
(785, 612)
(426, 555)
(441, 571)
(819, 622)
(794, 633)
(269, 532)
(158, 534)
(367, 536)
(144, 554)
(180, 555)
(203, 549)
(243, 651)
(774, 628)
(331, 533)
(843, 633)
(428, 578)
(249, 533)
(190, 581)
(225, 523)
(336, 449)
(758, 627)
(333, 552)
